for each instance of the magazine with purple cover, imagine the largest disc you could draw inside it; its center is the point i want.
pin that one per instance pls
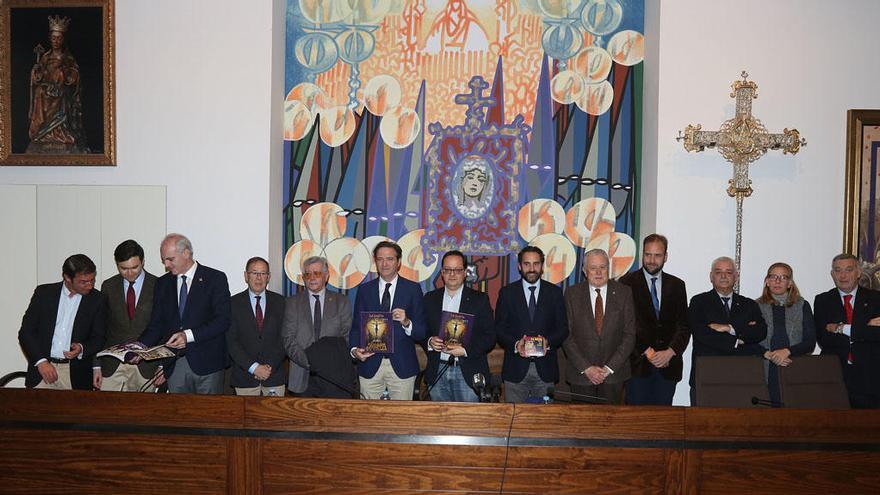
(456, 328)
(377, 332)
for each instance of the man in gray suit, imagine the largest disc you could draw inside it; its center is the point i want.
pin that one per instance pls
(254, 335)
(602, 332)
(129, 305)
(312, 315)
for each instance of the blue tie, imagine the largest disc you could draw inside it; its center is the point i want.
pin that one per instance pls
(181, 305)
(654, 298)
(533, 303)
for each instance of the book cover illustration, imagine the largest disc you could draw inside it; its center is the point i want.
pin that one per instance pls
(456, 328)
(377, 332)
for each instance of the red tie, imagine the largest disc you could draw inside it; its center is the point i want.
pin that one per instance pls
(847, 306)
(599, 312)
(129, 300)
(258, 312)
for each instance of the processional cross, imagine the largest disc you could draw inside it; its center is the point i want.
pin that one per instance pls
(741, 140)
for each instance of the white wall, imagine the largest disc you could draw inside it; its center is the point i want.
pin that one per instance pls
(811, 64)
(198, 84)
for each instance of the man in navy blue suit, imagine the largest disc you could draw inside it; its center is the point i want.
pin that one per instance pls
(530, 307)
(392, 293)
(191, 316)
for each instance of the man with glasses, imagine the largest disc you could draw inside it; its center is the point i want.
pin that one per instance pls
(847, 323)
(316, 326)
(254, 336)
(724, 323)
(451, 367)
(391, 375)
(63, 328)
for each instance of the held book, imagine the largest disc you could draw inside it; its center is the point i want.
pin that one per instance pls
(377, 332)
(127, 350)
(456, 328)
(533, 346)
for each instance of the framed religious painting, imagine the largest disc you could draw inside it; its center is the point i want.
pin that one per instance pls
(861, 224)
(57, 93)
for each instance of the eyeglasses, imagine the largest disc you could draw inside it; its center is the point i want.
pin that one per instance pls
(308, 275)
(778, 278)
(258, 274)
(452, 271)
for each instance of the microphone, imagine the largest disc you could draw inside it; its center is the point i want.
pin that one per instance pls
(480, 386)
(552, 393)
(348, 389)
(766, 403)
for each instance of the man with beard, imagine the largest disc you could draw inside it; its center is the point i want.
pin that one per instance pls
(530, 307)
(662, 335)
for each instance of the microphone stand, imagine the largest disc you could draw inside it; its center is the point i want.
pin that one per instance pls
(350, 390)
(437, 379)
(766, 403)
(552, 393)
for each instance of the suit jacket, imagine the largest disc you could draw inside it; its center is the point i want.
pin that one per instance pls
(512, 322)
(584, 347)
(745, 317)
(119, 328)
(408, 296)
(298, 332)
(206, 314)
(482, 339)
(38, 328)
(671, 331)
(248, 345)
(863, 376)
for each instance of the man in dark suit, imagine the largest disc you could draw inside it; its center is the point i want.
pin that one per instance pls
(63, 328)
(392, 293)
(662, 332)
(254, 336)
(530, 307)
(312, 316)
(129, 306)
(847, 323)
(191, 316)
(602, 332)
(460, 361)
(724, 323)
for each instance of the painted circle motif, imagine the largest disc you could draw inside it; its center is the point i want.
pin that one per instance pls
(296, 254)
(323, 12)
(412, 264)
(561, 41)
(355, 45)
(368, 11)
(316, 51)
(349, 262)
(381, 94)
(337, 125)
(620, 247)
(589, 218)
(321, 224)
(311, 95)
(601, 17)
(297, 120)
(627, 47)
(540, 216)
(559, 256)
(400, 127)
(559, 9)
(566, 87)
(594, 63)
(597, 98)
(473, 187)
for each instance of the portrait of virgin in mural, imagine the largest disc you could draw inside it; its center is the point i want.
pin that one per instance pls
(474, 187)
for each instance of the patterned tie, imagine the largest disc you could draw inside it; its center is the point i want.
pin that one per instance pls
(258, 314)
(181, 302)
(129, 300)
(726, 301)
(533, 303)
(316, 318)
(386, 298)
(654, 298)
(848, 307)
(599, 311)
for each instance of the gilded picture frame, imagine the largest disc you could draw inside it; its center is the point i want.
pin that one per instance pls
(861, 226)
(57, 83)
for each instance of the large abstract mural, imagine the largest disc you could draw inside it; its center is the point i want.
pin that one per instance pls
(479, 125)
